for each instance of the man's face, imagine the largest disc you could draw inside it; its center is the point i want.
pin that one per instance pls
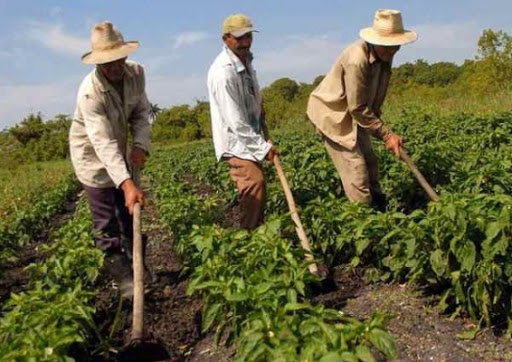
(241, 46)
(113, 71)
(386, 53)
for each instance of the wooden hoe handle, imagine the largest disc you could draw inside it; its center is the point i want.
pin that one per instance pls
(304, 242)
(138, 278)
(138, 269)
(423, 182)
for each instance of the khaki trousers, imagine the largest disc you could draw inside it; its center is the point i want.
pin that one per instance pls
(250, 182)
(358, 168)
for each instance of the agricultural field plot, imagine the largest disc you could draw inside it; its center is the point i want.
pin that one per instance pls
(423, 280)
(455, 252)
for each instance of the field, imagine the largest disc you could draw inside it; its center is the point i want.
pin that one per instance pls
(423, 280)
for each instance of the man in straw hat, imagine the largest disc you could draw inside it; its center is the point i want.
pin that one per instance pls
(111, 103)
(346, 106)
(238, 124)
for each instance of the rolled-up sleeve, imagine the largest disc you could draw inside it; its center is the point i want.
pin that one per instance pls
(232, 112)
(101, 135)
(357, 91)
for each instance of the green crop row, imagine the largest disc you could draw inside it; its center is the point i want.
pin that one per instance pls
(458, 247)
(54, 316)
(24, 224)
(254, 284)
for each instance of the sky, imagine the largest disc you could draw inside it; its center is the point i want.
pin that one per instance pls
(42, 41)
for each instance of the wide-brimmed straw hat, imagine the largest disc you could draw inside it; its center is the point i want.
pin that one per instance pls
(388, 29)
(107, 45)
(237, 25)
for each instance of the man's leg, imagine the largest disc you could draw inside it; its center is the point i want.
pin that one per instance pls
(351, 166)
(379, 200)
(125, 222)
(102, 204)
(106, 226)
(250, 182)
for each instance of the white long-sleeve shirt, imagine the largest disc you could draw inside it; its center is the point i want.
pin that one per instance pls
(235, 107)
(99, 133)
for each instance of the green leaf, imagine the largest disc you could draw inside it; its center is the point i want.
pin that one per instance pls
(383, 341)
(355, 261)
(470, 334)
(291, 295)
(438, 262)
(492, 230)
(361, 245)
(210, 315)
(296, 306)
(364, 354)
(468, 255)
(235, 297)
(332, 357)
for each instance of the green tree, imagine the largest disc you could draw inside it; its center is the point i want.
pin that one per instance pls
(277, 98)
(495, 48)
(31, 128)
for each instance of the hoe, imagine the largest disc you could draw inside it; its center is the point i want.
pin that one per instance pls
(139, 349)
(423, 182)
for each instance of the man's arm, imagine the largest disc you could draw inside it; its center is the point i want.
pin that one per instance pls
(263, 121)
(357, 89)
(356, 77)
(99, 131)
(139, 125)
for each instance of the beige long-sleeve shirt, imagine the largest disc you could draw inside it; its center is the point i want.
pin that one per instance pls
(98, 137)
(351, 95)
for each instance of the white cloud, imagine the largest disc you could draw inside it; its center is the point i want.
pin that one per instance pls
(302, 58)
(189, 38)
(167, 91)
(442, 42)
(447, 36)
(52, 36)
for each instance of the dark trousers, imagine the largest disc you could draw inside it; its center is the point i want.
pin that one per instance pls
(112, 223)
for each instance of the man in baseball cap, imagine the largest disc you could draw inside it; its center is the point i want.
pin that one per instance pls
(346, 106)
(239, 131)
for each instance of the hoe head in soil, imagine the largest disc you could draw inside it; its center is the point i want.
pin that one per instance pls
(142, 351)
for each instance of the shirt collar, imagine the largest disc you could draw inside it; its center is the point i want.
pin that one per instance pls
(104, 85)
(239, 66)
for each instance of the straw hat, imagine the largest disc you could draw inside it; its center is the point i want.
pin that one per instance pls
(107, 45)
(237, 25)
(388, 29)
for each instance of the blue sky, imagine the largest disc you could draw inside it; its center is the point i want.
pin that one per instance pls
(42, 42)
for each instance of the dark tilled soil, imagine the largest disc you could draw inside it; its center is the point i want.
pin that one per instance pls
(14, 277)
(422, 333)
(171, 318)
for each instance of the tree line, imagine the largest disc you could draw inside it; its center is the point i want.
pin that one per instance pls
(285, 100)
